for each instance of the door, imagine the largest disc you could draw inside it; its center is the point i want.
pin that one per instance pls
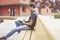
(12, 12)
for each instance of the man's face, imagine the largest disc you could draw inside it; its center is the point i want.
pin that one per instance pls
(31, 8)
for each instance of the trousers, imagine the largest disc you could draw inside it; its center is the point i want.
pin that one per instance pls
(19, 27)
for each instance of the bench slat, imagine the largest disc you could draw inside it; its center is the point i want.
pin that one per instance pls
(28, 34)
(20, 35)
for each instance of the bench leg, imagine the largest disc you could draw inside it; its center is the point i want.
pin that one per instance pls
(30, 35)
(24, 35)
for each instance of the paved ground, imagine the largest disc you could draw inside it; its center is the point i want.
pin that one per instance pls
(52, 25)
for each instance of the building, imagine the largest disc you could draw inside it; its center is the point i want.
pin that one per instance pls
(18, 7)
(14, 7)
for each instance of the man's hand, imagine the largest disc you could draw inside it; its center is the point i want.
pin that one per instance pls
(23, 21)
(29, 23)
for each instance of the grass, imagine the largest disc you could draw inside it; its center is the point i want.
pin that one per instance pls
(57, 15)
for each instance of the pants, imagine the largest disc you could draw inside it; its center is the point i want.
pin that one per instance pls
(19, 27)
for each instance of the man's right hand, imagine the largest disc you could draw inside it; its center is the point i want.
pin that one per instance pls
(23, 21)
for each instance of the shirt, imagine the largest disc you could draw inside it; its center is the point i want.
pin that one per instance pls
(33, 17)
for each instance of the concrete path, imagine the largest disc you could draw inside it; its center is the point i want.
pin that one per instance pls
(52, 25)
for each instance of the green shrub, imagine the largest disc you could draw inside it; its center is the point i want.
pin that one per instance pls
(57, 15)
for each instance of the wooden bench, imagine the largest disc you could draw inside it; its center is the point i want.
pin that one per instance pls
(39, 33)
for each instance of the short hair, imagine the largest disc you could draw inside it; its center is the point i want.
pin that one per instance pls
(32, 5)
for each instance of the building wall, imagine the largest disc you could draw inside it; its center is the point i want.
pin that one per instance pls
(25, 1)
(25, 13)
(14, 1)
(0, 2)
(45, 11)
(9, 1)
(4, 10)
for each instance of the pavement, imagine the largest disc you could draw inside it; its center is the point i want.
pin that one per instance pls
(52, 25)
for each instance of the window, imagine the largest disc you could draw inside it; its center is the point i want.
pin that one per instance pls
(23, 8)
(31, 0)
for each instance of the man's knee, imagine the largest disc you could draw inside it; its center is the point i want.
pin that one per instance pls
(16, 21)
(15, 29)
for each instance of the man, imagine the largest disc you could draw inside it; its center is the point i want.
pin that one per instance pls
(23, 25)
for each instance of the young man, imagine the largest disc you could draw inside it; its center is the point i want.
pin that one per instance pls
(23, 25)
